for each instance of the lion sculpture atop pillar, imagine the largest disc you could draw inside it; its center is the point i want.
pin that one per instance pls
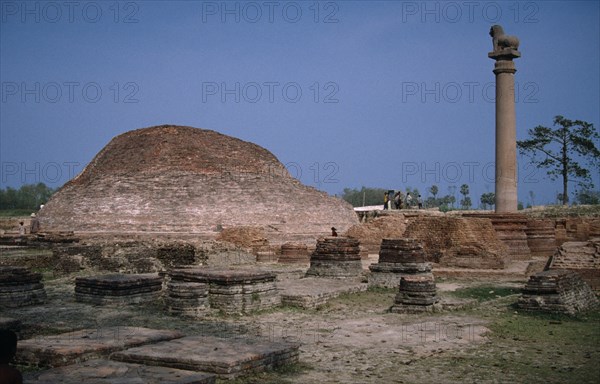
(501, 40)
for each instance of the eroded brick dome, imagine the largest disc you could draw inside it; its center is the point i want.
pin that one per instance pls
(188, 180)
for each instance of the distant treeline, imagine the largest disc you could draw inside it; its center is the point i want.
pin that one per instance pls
(29, 196)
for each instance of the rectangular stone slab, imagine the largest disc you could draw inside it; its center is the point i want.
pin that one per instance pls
(76, 346)
(114, 372)
(119, 281)
(311, 292)
(222, 276)
(227, 358)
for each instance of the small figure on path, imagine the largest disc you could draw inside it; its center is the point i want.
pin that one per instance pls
(420, 202)
(386, 199)
(408, 200)
(21, 228)
(333, 232)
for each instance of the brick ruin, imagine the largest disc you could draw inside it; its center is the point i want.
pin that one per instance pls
(541, 237)
(416, 294)
(557, 291)
(225, 290)
(371, 231)
(459, 242)
(403, 261)
(582, 257)
(398, 258)
(118, 289)
(476, 240)
(181, 180)
(336, 257)
(294, 253)
(144, 256)
(20, 287)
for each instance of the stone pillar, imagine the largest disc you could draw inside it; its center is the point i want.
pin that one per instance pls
(505, 50)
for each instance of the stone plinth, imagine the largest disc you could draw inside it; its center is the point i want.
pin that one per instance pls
(416, 294)
(294, 253)
(336, 257)
(226, 358)
(77, 346)
(234, 291)
(397, 258)
(20, 287)
(118, 289)
(111, 372)
(559, 291)
(187, 298)
(582, 257)
(311, 292)
(541, 237)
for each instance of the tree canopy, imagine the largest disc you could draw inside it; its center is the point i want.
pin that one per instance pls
(29, 196)
(555, 149)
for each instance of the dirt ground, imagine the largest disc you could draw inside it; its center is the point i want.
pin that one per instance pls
(354, 339)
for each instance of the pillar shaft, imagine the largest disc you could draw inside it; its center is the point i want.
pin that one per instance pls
(506, 138)
(505, 50)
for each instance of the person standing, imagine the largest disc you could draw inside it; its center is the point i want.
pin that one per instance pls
(408, 200)
(420, 202)
(22, 230)
(397, 201)
(386, 200)
(35, 224)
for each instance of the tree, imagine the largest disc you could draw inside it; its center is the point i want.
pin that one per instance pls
(434, 191)
(557, 146)
(488, 198)
(532, 197)
(371, 196)
(466, 200)
(587, 196)
(29, 196)
(452, 191)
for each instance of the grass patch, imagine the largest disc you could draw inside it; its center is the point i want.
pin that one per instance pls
(15, 212)
(522, 348)
(484, 292)
(279, 375)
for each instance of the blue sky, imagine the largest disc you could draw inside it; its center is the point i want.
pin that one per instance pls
(345, 93)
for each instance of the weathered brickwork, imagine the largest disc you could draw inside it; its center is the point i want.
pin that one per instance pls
(582, 257)
(20, 287)
(459, 242)
(173, 179)
(118, 289)
(336, 257)
(398, 258)
(557, 290)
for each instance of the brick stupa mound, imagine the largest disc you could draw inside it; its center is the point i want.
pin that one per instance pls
(187, 180)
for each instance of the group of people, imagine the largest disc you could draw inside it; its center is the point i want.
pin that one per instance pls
(401, 201)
